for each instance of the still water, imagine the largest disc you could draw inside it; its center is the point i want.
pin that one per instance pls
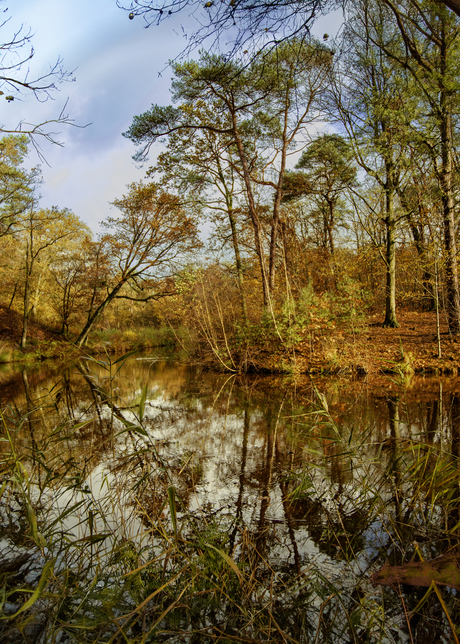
(325, 479)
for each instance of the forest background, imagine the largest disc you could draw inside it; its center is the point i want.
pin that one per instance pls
(326, 171)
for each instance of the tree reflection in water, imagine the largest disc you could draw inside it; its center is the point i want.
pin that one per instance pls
(307, 493)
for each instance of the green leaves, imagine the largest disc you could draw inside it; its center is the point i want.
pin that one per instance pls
(38, 592)
(151, 126)
(142, 402)
(228, 560)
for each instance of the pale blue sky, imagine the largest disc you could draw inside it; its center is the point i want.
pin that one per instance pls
(117, 64)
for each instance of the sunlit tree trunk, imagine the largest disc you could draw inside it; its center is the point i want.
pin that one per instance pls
(448, 207)
(235, 243)
(390, 255)
(26, 299)
(252, 211)
(95, 315)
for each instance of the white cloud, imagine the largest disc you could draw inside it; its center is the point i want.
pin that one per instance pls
(118, 62)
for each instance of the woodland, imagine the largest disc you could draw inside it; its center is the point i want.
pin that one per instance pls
(300, 196)
(299, 215)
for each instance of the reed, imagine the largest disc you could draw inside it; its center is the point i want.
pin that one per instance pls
(101, 545)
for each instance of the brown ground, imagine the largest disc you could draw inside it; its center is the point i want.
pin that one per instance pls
(413, 347)
(11, 329)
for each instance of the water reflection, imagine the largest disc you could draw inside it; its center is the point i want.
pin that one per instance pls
(248, 441)
(290, 472)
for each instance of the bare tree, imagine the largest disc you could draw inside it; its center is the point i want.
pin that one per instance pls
(18, 81)
(248, 24)
(251, 24)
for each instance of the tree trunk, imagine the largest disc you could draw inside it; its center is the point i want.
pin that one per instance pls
(236, 246)
(390, 257)
(252, 211)
(450, 246)
(92, 318)
(13, 296)
(427, 277)
(26, 313)
(239, 267)
(275, 225)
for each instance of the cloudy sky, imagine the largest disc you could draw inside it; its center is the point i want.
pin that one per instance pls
(120, 70)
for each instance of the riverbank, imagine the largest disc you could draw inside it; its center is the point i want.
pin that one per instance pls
(366, 349)
(45, 343)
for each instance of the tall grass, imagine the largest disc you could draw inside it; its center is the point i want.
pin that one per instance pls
(100, 543)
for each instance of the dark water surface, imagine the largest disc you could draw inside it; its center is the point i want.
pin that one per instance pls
(327, 479)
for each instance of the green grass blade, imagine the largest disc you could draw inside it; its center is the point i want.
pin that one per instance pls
(38, 592)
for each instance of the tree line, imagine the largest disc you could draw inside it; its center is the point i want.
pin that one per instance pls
(327, 168)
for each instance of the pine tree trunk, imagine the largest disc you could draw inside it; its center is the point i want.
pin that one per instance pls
(390, 224)
(239, 267)
(450, 246)
(253, 213)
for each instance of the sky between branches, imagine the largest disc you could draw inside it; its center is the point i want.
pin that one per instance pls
(120, 70)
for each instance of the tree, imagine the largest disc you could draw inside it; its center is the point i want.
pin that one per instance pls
(250, 23)
(17, 80)
(145, 245)
(329, 170)
(419, 197)
(375, 104)
(262, 109)
(16, 184)
(41, 233)
(430, 55)
(71, 271)
(201, 165)
(245, 23)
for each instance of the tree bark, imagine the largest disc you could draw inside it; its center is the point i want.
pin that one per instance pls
(93, 317)
(450, 245)
(390, 225)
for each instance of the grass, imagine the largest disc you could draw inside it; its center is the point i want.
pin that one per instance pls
(101, 546)
(117, 341)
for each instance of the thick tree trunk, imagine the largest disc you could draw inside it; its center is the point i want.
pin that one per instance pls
(447, 146)
(450, 245)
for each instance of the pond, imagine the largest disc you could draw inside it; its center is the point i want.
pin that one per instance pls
(147, 500)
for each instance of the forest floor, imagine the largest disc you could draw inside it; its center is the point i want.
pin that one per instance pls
(11, 329)
(372, 349)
